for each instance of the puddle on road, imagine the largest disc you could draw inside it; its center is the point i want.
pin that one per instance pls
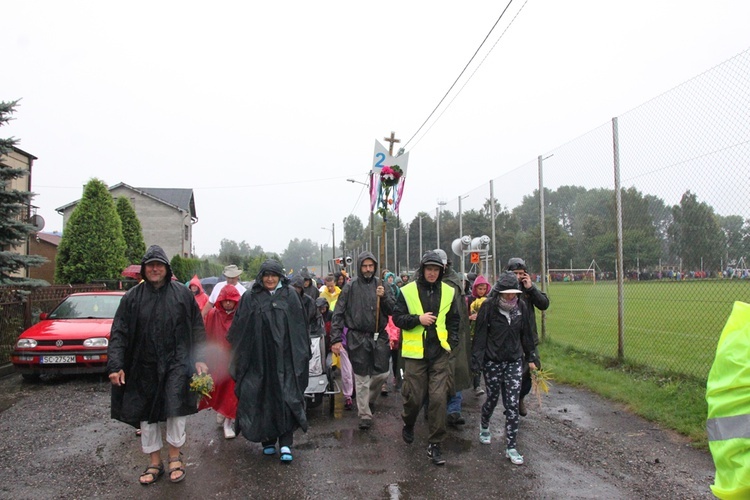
(574, 413)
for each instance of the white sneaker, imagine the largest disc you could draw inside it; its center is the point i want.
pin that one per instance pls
(219, 419)
(515, 457)
(485, 436)
(229, 429)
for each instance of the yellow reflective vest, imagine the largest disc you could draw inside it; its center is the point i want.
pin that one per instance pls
(728, 397)
(412, 343)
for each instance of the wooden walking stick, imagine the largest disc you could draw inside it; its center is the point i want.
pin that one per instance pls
(380, 259)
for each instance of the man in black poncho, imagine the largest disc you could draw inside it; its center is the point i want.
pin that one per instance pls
(270, 356)
(366, 340)
(156, 343)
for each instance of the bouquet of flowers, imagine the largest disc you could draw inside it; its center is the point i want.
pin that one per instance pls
(389, 177)
(540, 383)
(202, 384)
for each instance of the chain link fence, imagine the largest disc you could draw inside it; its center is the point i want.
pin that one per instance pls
(647, 277)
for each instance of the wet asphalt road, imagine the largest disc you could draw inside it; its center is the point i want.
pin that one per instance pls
(59, 442)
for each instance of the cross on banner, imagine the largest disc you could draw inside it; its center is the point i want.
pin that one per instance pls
(380, 159)
(392, 140)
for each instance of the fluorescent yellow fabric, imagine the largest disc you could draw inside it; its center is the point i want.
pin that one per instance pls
(412, 345)
(728, 397)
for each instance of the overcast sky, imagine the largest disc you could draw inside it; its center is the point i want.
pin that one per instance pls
(266, 108)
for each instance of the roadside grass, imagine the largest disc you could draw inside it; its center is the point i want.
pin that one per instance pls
(673, 401)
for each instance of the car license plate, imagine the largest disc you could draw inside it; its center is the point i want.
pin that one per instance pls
(58, 359)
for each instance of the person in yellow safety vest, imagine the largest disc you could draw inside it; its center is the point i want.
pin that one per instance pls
(427, 311)
(728, 397)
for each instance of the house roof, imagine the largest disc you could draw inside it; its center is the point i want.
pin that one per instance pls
(21, 151)
(52, 239)
(181, 199)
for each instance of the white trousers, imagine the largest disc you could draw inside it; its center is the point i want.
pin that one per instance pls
(151, 434)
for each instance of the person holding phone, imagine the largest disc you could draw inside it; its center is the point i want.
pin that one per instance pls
(534, 299)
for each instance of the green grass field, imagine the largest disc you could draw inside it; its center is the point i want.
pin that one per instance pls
(669, 326)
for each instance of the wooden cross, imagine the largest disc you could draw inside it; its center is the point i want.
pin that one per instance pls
(392, 139)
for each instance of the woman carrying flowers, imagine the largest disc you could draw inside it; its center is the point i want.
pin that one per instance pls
(501, 340)
(218, 320)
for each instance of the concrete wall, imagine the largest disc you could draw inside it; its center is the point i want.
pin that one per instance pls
(162, 224)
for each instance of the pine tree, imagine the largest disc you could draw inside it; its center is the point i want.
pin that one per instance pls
(14, 210)
(92, 246)
(135, 248)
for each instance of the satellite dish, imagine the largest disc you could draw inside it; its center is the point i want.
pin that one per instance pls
(460, 244)
(37, 221)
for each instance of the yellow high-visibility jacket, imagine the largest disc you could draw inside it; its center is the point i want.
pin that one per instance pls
(728, 397)
(412, 344)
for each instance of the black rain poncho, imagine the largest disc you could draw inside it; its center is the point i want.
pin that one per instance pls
(270, 355)
(356, 310)
(157, 337)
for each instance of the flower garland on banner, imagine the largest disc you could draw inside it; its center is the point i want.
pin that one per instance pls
(389, 181)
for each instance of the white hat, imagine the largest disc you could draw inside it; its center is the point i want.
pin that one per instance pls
(232, 271)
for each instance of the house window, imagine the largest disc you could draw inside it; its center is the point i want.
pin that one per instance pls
(187, 232)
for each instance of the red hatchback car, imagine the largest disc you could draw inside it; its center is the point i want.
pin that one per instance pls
(73, 338)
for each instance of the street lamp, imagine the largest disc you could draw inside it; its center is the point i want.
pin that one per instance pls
(372, 222)
(441, 204)
(420, 238)
(333, 237)
(461, 233)
(407, 246)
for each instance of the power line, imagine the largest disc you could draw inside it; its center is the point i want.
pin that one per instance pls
(460, 74)
(471, 76)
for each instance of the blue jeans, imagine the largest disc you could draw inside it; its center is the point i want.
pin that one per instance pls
(454, 403)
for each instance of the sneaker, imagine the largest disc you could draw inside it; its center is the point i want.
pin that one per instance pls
(408, 434)
(478, 392)
(348, 404)
(229, 429)
(485, 436)
(455, 419)
(522, 408)
(433, 451)
(365, 423)
(219, 419)
(515, 457)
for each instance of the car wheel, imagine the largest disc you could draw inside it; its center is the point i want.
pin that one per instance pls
(31, 377)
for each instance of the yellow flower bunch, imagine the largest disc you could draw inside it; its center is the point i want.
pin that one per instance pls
(540, 383)
(202, 384)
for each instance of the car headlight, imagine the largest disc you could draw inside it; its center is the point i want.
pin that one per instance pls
(26, 343)
(96, 342)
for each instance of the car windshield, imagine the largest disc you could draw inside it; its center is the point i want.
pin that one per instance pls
(87, 306)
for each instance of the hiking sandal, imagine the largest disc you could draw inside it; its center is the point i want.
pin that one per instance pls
(181, 468)
(155, 471)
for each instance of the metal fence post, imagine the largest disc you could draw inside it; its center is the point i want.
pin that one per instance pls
(620, 266)
(542, 239)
